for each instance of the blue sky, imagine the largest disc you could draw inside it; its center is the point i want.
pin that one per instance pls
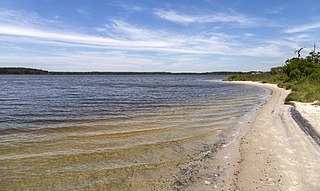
(145, 35)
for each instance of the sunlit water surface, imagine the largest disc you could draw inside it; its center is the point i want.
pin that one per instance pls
(112, 132)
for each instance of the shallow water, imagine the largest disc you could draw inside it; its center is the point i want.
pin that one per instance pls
(112, 132)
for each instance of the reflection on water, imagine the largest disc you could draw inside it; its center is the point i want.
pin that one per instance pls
(111, 132)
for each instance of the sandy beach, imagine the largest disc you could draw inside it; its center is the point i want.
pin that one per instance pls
(310, 112)
(272, 153)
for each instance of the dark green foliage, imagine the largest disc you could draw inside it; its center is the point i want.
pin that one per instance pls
(302, 76)
(43, 72)
(276, 70)
(301, 70)
(22, 71)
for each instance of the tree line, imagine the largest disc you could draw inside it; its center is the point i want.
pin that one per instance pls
(22, 71)
(32, 71)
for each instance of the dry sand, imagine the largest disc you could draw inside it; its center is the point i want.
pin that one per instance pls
(310, 112)
(271, 153)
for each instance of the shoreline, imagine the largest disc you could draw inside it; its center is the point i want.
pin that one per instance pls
(263, 150)
(271, 153)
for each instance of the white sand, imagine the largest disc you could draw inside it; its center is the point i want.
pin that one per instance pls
(272, 153)
(310, 112)
(276, 153)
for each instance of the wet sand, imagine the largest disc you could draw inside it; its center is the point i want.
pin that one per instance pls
(272, 153)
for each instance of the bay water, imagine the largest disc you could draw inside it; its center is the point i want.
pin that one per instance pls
(113, 132)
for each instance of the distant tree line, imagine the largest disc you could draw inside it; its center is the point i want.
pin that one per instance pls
(22, 71)
(31, 71)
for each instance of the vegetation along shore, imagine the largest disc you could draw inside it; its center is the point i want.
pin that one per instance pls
(301, 75)
(32, 71)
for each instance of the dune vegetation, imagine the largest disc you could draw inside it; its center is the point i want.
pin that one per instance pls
(301, 75)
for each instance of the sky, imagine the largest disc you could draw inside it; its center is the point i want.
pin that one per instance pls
(153, 35)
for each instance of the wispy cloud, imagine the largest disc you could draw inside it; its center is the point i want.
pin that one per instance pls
(19, 17)
(300, 37)
(303, 28)
(120, 35)
(83, 12)
(275, 10)
(128, 39)
(268, 50)
(105, 61)
(132, 46)
(119, 29)
(130, 7)
(285, 44)
(76, 38)
(231, 17)
(23, 18)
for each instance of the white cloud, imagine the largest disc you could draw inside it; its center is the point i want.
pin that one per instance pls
(76, 38)
(231, 17)
(23, 18)
(130, 7)
(285, 44)
(137, 39)
(300, 38)
(303, 28)
(119, 29)
(178, 18)
(125, 46)
(19, 18)
(120, 35)
(103, 61)
(269, 50)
